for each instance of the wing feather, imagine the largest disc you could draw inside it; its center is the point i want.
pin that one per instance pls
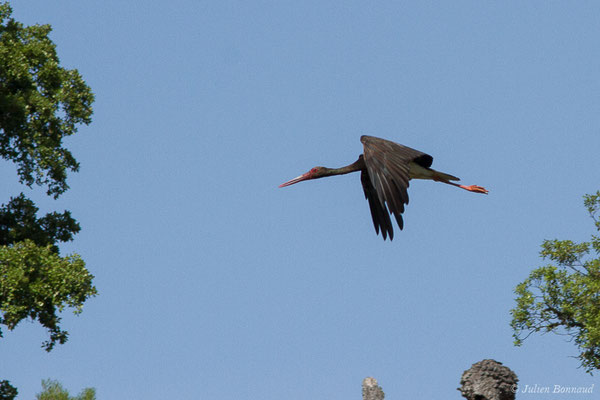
(386, 180)
(379, 214)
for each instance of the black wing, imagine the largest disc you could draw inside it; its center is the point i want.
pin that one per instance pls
(386, 179)
(381, 218)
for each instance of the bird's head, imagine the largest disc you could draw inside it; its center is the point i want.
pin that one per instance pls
(314, 173)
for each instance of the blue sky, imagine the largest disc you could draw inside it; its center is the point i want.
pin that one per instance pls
(215, 284)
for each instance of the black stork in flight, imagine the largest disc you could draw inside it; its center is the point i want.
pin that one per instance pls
(385, 170)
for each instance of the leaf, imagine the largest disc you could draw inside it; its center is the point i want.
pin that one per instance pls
(564, 298)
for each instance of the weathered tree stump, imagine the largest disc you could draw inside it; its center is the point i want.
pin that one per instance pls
(488, 380)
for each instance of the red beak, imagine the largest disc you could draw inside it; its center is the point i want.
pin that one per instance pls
(300, 178)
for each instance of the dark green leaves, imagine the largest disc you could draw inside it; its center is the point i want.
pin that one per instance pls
(7, 391)
(41, 103)
(18, 221)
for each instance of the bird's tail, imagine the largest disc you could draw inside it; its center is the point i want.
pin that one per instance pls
(437, 175)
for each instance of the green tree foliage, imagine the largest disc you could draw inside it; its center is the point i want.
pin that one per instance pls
(36, 283)
(40, 104)
(53, 390)
(18, 221)
(564, 296)
(7, 391)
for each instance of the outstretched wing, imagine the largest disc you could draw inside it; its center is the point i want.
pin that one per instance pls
(385, 180)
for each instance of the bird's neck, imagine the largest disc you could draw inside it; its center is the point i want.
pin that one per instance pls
(358, 165)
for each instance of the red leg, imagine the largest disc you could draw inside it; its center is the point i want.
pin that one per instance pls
(474, 188)
(471, 188)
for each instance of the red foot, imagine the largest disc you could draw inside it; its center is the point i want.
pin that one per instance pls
(475, 188)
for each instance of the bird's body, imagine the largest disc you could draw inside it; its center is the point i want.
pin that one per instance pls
(417, 171)
(386, 169)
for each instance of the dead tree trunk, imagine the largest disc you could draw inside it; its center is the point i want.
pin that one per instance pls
(485, 380)
(371, 390)
(488, 380)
